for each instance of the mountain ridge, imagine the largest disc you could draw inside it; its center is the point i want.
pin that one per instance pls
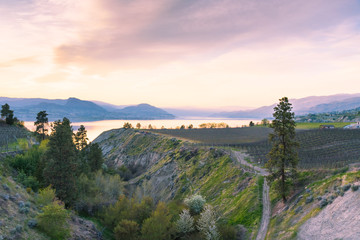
(80, 110)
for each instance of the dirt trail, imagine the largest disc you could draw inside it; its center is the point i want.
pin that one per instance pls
(265, 219)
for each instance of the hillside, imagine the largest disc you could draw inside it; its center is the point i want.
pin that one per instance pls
(167, 170)
(324, 209)
(19, 208)
(79, 110)
(351, 115)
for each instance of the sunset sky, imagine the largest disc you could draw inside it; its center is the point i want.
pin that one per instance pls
(175, 53)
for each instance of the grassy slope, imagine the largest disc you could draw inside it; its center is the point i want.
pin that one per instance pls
(10, 212)
(317, 125)
(210, 172)
(286, 223)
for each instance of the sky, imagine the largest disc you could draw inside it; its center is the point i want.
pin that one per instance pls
(179, 53)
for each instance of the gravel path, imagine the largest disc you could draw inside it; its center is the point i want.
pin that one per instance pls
(265, 219)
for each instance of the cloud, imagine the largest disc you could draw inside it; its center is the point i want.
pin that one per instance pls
(141, 33)
(18, 61)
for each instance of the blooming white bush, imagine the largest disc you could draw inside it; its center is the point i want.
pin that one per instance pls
(207, 224)
(195, 203)
(185, 224)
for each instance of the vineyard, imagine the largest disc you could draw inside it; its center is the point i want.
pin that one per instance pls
(218, 136)
(9, 135)
(318, 148)
(330, 148)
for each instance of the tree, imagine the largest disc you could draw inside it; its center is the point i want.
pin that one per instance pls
(61, 166)
(127, 125)
(95, 157)
(138, 125)
(283, 157)
(158, 226)
(251, 124)
(150, 127)
(81, 138)
(127, 230)
(190, 126)
(182, 127)
(265, 122)
(207, 224)
(185, 224)
(41, 122)
(7, 114)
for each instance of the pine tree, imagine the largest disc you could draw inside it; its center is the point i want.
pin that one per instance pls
(95, 158)
(81, 138)
(61, 168)
(283, 157)
(7, 114)
(41, 122)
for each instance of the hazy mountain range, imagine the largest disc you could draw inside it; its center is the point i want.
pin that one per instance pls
(81, 110)
(313, 104)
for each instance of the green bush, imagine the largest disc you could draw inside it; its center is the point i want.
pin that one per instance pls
(53, 221)
(46, 196)
(127, 230)
(158, 226)
(195, 203)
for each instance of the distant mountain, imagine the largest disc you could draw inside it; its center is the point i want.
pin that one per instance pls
(144, 111)
(313, 104)
(79, 110)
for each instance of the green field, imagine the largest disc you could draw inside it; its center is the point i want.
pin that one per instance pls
(317, 125)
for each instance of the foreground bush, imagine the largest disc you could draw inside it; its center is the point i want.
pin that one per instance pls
(195, 203)
(207, 224)
(185, 224)
(158, 226)
(127, 230)
(46, 196)
(53, 221)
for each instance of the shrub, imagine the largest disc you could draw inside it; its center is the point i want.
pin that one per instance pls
(185, 224)
(354, 188)
(127, 230)
(309, 199)
(195, 203)
(158, 226)
(227, 232)
(207, 224)
(53, 221)
(46, 196)
(346, 187)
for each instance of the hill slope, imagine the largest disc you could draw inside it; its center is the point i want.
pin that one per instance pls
(166, 170)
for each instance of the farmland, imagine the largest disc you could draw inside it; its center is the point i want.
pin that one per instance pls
(218, 136)
(329, 148)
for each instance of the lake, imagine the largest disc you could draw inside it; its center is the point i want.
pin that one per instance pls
(95, 128)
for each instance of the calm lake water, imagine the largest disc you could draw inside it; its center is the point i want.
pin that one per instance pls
(94, 129)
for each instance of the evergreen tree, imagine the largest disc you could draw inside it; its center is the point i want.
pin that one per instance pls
(61, 168)
(41, 122)
(81, 138)
(283, 157)
(7, 114)
(95, 158)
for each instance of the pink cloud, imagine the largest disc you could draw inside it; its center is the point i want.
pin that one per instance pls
(142, 32)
